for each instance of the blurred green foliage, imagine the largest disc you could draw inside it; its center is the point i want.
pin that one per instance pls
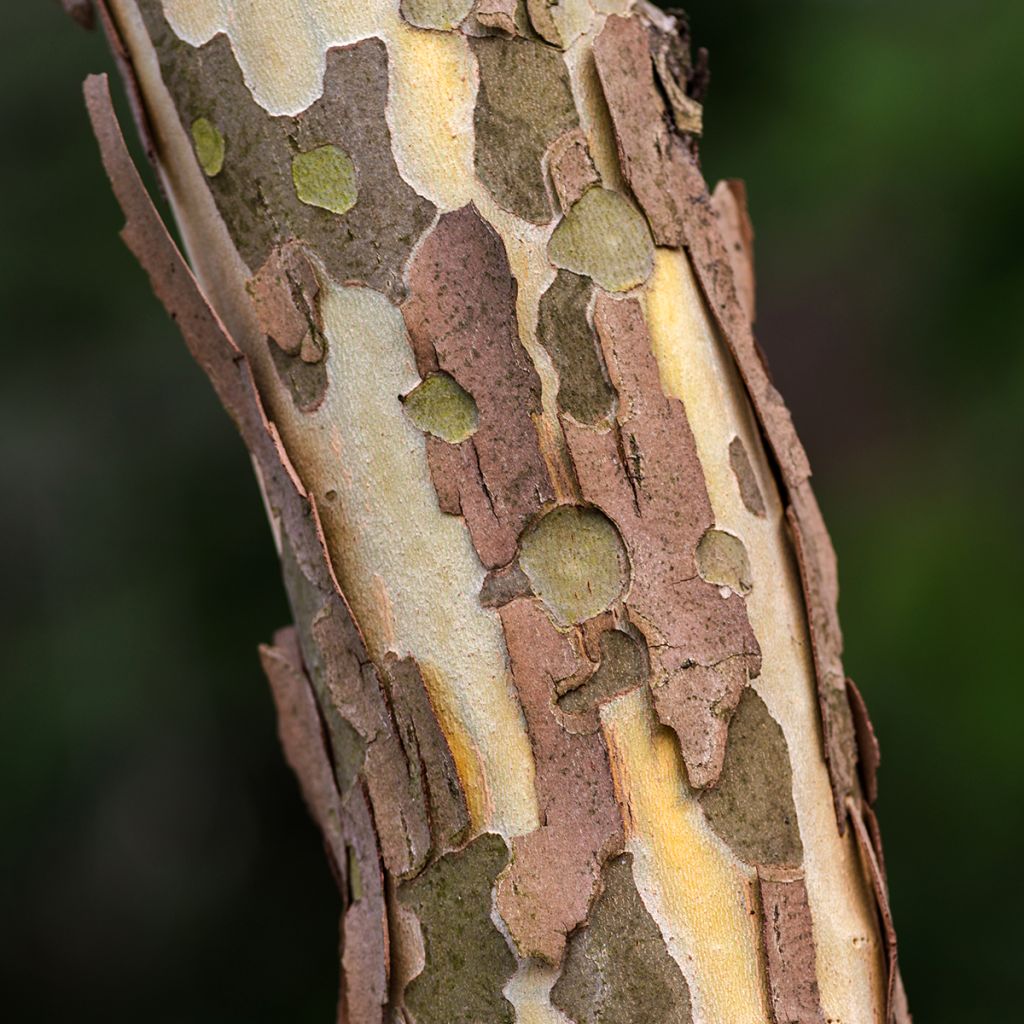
(156, 862)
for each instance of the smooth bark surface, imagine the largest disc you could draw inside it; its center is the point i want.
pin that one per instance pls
(564, 687)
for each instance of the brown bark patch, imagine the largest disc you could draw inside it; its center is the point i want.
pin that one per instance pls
(571, 167)
(645, 475)
(505, 16)
(554, 871)
(467, 962)
(461, 319)
(751, 806)
(255, 190)
(789, 949)
(524, 103)
(618, 969)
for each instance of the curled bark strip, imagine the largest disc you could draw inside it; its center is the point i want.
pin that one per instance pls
(400, 810)
(461, 318)
(302, 738)
(427, 751)
(123, 60)
(549, 886)
(789, 948)
(395, 786)
(644, 473)
(816, 560)
(869, 753)
(206, 337)
(729, 201)
(895, 1003)
(667, 182)
(365, 955)
(346, 826)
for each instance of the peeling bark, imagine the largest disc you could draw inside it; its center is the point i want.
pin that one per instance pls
(574, 668)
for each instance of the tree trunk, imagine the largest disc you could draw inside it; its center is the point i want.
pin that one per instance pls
(564, 689)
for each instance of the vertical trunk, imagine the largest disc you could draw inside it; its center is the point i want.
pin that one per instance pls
(564, 688)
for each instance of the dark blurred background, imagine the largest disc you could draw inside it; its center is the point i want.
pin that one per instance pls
(156, 860)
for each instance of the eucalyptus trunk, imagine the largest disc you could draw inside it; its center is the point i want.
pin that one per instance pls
(564, 687)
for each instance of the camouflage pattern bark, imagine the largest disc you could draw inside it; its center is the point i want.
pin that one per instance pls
(564, 688)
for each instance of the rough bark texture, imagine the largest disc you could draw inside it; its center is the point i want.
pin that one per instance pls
(564, 688)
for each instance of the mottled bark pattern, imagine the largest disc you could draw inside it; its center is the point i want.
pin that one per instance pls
(537, 405)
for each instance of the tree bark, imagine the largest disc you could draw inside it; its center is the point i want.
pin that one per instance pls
(564, 688)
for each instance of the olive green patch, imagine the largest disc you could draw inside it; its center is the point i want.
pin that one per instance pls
(439, 406)
(605, 237)
(524, 103)
(209, 145)
(467, 962)
(305, 381)
(618, 969)
(443, 15)
(625, 664)
(255, 191)
(751, 807)
(722, 560)
(565, 332)
(325, 177)
(575, 561)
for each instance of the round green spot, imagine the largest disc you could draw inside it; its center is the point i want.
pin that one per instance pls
(209, 144)
(722, 560)
(606, 238)
(575, 561)
(440, 407)
(325, 177)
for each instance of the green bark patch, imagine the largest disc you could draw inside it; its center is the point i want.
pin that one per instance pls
(209, 146)
(722, 560)
(575, 561)
(325, 177)
(265, 198)
(440, 407)
(443, 15)
(625, 664)
(524, 103)
(618, 969)
(752, 807)
(565, 332)
(605, 237)
(467, 962)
